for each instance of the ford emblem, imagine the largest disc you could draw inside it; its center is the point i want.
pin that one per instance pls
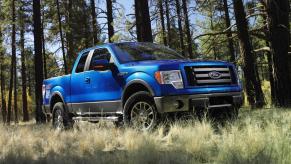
(214, 75)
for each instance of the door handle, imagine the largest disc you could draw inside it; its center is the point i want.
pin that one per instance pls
(87, 80)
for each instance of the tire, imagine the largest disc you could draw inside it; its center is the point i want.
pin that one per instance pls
(140, 112)
(61, 119)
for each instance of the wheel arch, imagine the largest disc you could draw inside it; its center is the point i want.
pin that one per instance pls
(55, 98)
(135, 86)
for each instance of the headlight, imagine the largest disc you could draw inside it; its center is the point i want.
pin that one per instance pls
(170, 77)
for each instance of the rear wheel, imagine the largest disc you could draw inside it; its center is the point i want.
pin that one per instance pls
(61, 119)
(140, 111)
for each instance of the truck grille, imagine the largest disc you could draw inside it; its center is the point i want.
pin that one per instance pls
(210, 75)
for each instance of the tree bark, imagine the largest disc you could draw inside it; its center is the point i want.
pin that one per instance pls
(62, 37)
(23, 68)
(178, 9)
(168, 23)
(43, 46)
(162, 18)
(143, 21)
(269, 60)
(38, 62)
(229, 33)
(94, 22)
(2, 78)
(278, 22)
(188, 31)
(253, 86)
(3, 101)
(110, 20)
(13, 59)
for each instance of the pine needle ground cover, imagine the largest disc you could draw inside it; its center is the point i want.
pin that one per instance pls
(262, 136)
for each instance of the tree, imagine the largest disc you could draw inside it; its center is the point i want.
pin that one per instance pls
(61, 36)
(229, 32)
(13, 59)
(43, 46)
(187, 26)
(162, 18)
(169, 36)
(94, 22)
(253, 86)
(2, 85)
(279, 33)
(143, 21)
(38, 62)
(181, 35)
(23, 65)
(110, 20)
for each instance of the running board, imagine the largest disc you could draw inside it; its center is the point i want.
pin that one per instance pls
(93, 119)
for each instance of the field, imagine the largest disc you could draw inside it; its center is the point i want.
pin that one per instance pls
(260, 136)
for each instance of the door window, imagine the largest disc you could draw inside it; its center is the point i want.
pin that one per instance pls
(82, 62)
(100, 54)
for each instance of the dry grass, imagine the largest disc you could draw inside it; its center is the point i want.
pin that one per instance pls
(257, 137)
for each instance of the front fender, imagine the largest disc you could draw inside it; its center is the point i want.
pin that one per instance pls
(57, 90)
(145, 79)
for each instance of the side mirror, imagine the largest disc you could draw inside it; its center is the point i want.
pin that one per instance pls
(100, 65)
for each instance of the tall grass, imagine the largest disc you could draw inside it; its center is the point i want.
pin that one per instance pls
(257, 137)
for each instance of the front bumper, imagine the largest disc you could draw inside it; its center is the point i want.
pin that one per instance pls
(181, 103)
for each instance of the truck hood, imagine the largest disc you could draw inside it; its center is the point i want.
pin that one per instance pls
(174, 64)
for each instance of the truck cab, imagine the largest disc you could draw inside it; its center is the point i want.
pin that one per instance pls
(136, 83)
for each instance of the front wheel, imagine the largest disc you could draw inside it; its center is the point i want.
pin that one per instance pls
(140, 111)
(61, 120)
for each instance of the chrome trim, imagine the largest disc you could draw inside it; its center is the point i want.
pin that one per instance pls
(219, 106)
(207, 75)
(97, 102)
(210, 69)
(111, 118)
(214, 81)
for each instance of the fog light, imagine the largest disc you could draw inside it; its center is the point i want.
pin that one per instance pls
(178, 104)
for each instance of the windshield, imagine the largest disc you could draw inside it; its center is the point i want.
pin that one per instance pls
(129, 52)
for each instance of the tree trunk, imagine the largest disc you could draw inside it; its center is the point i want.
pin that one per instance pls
(2, 85)
(110, 20)
(229, 33)
(94, 22)
(38, 65)
(213, 38)
(162, 18)
(178, 9)
(23, 68)
(43, 46)
(3, 101)
(168, 23)
(253, 86)
(187, 26)
(62, 37)
(143, 21)
(69, 34)
(14, 62)
(13, 59)
(269, 60)
(278, 21)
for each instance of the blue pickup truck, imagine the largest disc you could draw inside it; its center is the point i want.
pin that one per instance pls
(136, 83)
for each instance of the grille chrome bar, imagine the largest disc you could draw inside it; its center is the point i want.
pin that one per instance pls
(210, 69)
(207, 75)
(203, 75)
(214, 81)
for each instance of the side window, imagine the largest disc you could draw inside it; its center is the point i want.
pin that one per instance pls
(82, 62)
(100, 54)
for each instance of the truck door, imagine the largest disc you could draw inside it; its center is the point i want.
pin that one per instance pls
(105, 88)
(79, 84)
